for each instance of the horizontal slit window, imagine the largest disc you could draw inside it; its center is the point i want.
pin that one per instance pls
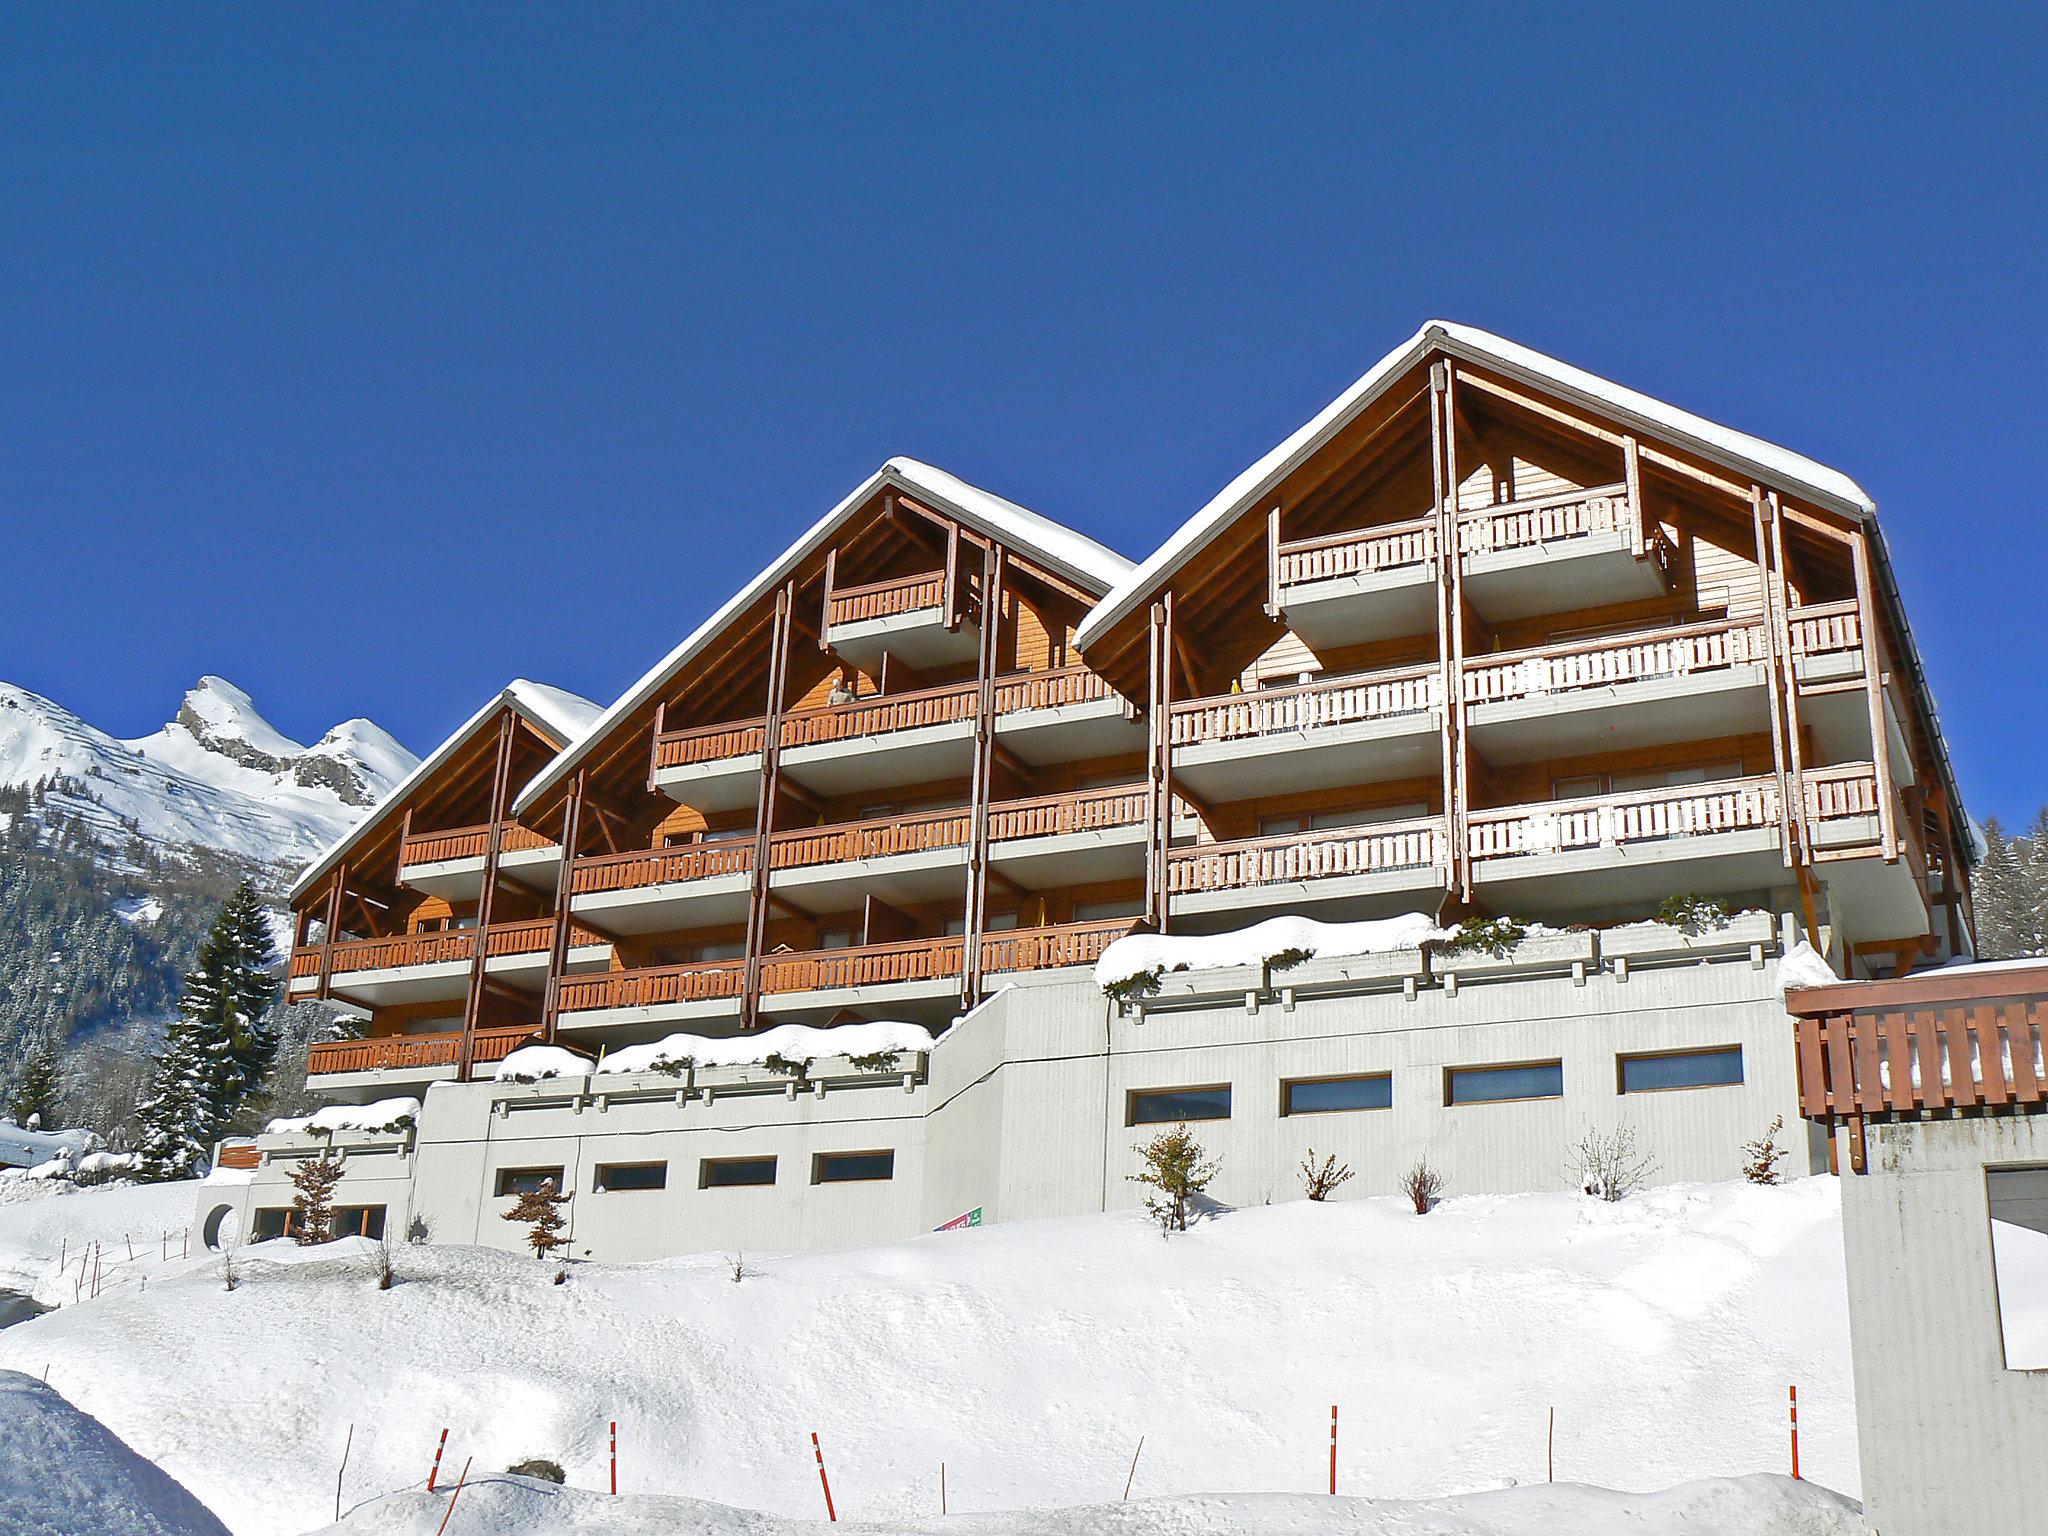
(269, 1222)
(524, 1181)
(735, 1172)
(1653, 1071)
(1493, 1085)
(1331, 1095)
(852, 1167)
(1159, 1106)
(625, 1176)
(359, 1221)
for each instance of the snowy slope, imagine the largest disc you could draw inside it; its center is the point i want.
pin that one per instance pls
(218, 776)
(63, 1474)
(1029, 1357)
(1748, 1506)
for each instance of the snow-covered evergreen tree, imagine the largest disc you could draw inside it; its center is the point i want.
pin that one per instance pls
(2010, 888)
(36, 1086)
(217, 1051)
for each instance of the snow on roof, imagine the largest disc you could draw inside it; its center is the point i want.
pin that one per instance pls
(560, 715)
(1072, 554)
(1781, 465)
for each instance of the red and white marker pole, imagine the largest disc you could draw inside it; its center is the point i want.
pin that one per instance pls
(1333, 1448)
(1795, 1431)
(435, 1470)
(615, 1456)
(823, 1482)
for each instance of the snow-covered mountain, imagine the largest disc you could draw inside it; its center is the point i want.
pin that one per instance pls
(218, 776)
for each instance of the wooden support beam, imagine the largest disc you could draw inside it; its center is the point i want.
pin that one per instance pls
(825, 606)
(1775, 664)
(501, 795)
(558, 941)
(1632, 477)
(1795, 744)
(1273, 562)
(764, 806)
(1875, 671)
(331, 929)
(983, 772)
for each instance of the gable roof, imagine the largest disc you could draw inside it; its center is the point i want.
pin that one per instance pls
(1722, 444)
(558, 714)
(1090, 565)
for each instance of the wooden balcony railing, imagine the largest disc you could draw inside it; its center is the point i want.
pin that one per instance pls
(1613, 660)
(650, 986)
(661, 866)
(877, 838)
(386, 1053)
(1822, 629)
(1051, 689)
(864, 965)
(1087, 810)
(239, 1154)
(1337, 851)
(1393, 546)
(468, 843)
(1305, 706)
(880, 715)
(443, 945)
(1611, 821)
(1045, 949)
(886, 599)
(708, 743)
(1544, 520)
(1841, 793)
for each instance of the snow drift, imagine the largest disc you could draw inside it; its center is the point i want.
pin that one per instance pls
(63, 1474)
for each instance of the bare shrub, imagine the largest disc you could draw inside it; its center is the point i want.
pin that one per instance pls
(1319, 1179)
(1176, 1169)
(539, 1468)
(381, 1266)
(1423, 1186)
(1608, 1165)
(1760, 1158)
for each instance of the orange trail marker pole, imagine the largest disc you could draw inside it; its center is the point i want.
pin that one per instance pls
(435, 1470)
(1795, 1431)
(823, 1481)
(1333, 1448)
(454, 1496)
(1134, 1466)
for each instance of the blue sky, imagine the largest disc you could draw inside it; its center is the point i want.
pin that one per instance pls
(370, 356)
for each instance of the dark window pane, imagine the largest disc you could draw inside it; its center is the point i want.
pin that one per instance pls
(1334, 1093)
(1682, 1069)
(1157, 1106)
(269, 1223)
(524, 1181)
(849, 1167)
(730, 1172)
(1480, 1085)
(632, 1176)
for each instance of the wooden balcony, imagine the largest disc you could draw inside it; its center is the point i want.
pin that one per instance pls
(1325, 702)
(468, 843)
(1543, 521)
(651, 986)
(1399, 848)
(409, 1053)
(1360, 552)
(886, 599)
(639, 868)
(425, 967)
(708, 743)
(1617, 821)
(864, 965)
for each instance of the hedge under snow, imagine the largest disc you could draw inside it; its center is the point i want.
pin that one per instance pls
(381, 1115)
(1152, 954)
(787, 1042)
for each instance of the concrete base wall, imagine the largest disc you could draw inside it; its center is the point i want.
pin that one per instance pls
(1021, 1110)
(1951, 1440)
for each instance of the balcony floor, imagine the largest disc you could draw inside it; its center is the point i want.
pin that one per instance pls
(1383, 893)
(931, 1002)
(924, 755)
(1583, 883)
(1701, 706)
(901, 879)
(1070, 732)
(463, 879)
(919, 637)
(1588, 571)
(1325, 757)
(723, 784)
(1074, 858)
(668, 907)
(1350, 610)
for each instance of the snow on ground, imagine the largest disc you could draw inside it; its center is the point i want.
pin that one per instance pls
(63, 1474)
(45, 1223)
(1029, 1357)
(1747, 1506)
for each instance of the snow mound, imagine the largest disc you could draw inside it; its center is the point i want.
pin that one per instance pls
(378, 1115)
(1029, 1356)
(1804, 967)
(1151, 954)
(791, 1042)
(531, 1063)
(1758, 1505)
(63, 1474)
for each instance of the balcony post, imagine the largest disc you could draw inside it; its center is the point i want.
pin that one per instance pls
(473, 999)
(327, 938)
(993, 560)
(1273, 562)
(1782, 619)
(654, 743)
(1450, 624)
(558, 944)
(1159, 765)
(1873, 687)
(764, 805)
(1632, 477)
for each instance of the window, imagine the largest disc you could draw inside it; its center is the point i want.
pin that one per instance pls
(852, 1167)
(359, 1221)
(1653, 1071)
(735, 1172)
(1156, 1106)
(1103, 911)
(524, 1181)
(1329, 1095)
(625, 1176)
(2019, 1262)
(270, 1221)
(1488, 1085)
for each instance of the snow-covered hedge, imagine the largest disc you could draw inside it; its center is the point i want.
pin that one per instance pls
(1134, 963)
(786, 1043)
(531, 1063)
(382, 1115)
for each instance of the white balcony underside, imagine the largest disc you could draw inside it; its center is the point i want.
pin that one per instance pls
(379, 1082)
(924, 755)
(668, 907)
(1730, 701)
(463, 879)
(1378, 894)
(724, 784)
(1350, 610)
(1630, 876)
(1839, 718)
(1589, 571)
(448, 980)
(1070, 732)
(919, 638)
(653, 1020)
(1876, 900)
(902, 879)
(1074, 858)
(914, 1002)
(1324, 757)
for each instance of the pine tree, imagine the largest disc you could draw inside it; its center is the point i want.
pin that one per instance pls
(313, 1205)
(541, 1210)
(215, 1055)
(2010, 887)
(36, 1086)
